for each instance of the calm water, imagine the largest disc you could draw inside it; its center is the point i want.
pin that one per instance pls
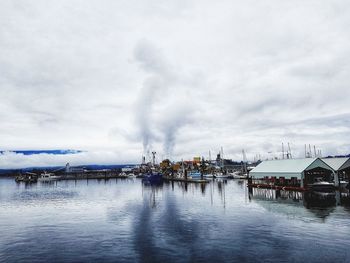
(122, 220)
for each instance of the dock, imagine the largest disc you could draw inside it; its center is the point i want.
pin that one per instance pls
(197, 181)
(80, 176)
(277, 187)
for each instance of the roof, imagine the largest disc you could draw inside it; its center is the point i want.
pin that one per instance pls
(284, 166)
(337, 163)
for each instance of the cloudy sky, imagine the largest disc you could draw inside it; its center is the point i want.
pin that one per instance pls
(115, 78)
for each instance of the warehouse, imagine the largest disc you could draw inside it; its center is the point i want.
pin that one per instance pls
(294, 171)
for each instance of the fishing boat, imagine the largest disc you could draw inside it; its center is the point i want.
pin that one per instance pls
(45, 176)
(153, 178)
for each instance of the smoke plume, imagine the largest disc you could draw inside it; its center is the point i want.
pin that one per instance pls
(159, 110)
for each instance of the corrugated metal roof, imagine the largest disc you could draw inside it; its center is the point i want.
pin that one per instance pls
(283, 166)
(336, 163)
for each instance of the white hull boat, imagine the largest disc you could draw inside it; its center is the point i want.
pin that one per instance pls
(221, 176)
(44, 177)
(322, 186)
(209, 176)
(238, 176)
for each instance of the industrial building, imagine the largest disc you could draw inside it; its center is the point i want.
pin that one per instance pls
(294, 171)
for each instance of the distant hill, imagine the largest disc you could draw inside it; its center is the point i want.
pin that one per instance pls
(52, 168)
(32, 152)
(338, 156)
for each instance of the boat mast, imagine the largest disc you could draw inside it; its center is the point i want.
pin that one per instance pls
(153, 159)
(290, 152)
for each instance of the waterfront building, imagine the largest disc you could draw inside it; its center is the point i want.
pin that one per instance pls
(300, 171)
(341, 169)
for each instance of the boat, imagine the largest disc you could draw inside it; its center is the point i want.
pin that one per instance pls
(123, 175)
(320, 185)
(153, 178)
(179, 175)
(194, 175)
(27, 178)
(45, 176)
(209, 176)
(131, 175)
(140, 175)
(237, 175)
(220, 175)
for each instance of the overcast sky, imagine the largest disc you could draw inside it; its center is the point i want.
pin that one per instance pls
(181, 77)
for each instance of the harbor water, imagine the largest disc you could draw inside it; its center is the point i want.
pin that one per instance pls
(121, 220)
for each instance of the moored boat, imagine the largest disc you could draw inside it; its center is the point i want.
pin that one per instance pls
(209, 176)
(220, 175)
(27, 178)
(321, 186)
(45, 176)
(194, 175)
(153, 178)
(237, 175)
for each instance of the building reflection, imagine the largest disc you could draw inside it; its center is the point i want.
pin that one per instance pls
(321, 204)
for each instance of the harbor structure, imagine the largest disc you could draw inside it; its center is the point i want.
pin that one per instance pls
(341, 169)
(296, 172)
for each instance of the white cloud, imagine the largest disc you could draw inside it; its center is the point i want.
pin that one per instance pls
(241, 74)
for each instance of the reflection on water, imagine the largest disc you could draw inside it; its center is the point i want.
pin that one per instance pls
(124, 220)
